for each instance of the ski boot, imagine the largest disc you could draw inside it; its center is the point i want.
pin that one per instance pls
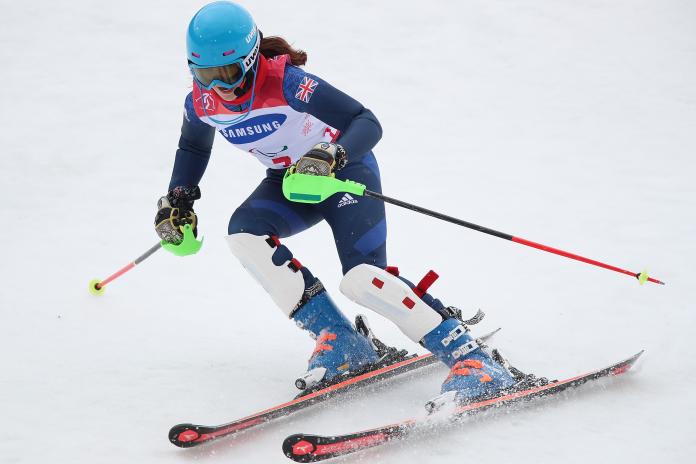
(476, 371)
(341, 350)
(474, 374)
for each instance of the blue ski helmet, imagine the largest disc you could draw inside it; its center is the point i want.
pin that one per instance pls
(222, 35)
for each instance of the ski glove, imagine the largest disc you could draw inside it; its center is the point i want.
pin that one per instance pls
(323, 159)
(174, 210)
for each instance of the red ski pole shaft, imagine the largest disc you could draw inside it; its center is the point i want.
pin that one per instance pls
(470, 225)
(97, 286)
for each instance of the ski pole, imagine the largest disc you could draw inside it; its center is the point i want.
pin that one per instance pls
(96, 286)
(641, 276)
(188, 246)
(306, 188)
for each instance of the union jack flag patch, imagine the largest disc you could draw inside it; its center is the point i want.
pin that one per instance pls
(306, 89)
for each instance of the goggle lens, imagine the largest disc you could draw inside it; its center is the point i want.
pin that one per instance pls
(230, 74)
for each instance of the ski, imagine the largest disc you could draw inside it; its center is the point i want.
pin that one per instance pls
(311, 448)
(188, 435)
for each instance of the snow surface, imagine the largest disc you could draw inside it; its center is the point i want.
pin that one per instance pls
(570, 123)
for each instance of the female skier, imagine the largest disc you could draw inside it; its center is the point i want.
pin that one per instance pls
(252, 91)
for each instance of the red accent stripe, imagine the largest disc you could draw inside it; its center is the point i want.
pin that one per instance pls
(296, 263)
(334, 135)
(325, 337)
(350, 445)
(621, 370)
(499, 399)
(377, 283)
(473, 406)
(409, 303)
(320, 348)
(254, 419)
(393, 270)
(556, 251)
(425, 283)
(116, 275)
(231, 428)
(275, 240)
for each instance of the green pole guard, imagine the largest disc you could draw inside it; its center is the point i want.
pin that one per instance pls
(305, 188)
(188, 246)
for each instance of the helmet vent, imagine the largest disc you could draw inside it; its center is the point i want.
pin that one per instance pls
(228, 52)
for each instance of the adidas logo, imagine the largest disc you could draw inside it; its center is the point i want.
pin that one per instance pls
(346, 200)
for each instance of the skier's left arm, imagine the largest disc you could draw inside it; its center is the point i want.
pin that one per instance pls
(360, 129)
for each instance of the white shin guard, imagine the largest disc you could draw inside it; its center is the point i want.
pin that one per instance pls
(386, 294)
(284, 284)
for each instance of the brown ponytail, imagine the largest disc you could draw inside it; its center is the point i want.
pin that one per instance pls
(274, 46)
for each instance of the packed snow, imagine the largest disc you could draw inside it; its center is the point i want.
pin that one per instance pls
(568, 123)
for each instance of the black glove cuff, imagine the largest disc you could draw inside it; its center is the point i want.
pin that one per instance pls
(341, 158)
(183, 196)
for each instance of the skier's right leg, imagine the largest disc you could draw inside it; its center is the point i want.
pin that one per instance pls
(360, 233)
(474, 373)
(255, 230)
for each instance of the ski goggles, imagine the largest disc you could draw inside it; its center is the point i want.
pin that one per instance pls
(229, 75)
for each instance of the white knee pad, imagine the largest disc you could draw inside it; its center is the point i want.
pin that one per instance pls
(389, 296)
(284, 284)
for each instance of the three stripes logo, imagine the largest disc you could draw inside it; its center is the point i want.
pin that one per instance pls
(347, 200)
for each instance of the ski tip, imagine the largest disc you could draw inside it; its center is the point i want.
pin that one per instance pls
(488, 335)
(184, 435)
(301, 447)
(633, 358)
(624, 366)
